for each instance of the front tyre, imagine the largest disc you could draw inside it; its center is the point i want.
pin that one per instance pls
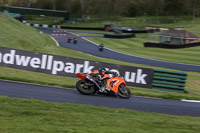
(83, 89)
(124, 92)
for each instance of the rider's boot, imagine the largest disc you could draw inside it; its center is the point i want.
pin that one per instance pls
(104, 88)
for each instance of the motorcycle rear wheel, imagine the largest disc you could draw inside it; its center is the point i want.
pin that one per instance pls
(85, 91)
(124, 92)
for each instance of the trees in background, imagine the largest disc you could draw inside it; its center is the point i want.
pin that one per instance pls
(174, 8)
(23, 3)
(114, 8)
(195, 5)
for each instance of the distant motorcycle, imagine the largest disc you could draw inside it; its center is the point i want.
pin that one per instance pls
(88, 85)
(101, 46)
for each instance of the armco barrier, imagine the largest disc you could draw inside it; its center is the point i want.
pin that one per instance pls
(119, 36)
(111, 30)
(169, 80)
(170, 46)
(140, 31)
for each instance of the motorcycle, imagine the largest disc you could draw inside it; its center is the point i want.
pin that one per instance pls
(101, 46)
(89, 85)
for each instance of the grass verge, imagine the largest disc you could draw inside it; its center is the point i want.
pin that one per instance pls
(30, 116)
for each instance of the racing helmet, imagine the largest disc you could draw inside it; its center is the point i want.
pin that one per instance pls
(102, 70)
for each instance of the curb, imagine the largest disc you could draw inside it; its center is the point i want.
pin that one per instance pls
(42, 25)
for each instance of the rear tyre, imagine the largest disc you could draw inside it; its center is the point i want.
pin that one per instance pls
(124, 92)
(80, 86)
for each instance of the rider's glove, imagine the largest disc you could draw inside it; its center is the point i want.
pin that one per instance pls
(90, 77)
(98, 77)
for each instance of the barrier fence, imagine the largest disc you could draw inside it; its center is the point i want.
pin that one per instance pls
(170, 46)
(67, 66)
(169, 80)
(119, 36)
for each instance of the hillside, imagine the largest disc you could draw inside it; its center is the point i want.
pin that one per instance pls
(16, 35)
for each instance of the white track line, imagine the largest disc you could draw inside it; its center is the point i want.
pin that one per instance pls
(57, 44)
(192, 101)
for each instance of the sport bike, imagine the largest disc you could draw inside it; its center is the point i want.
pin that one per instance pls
(89, 85)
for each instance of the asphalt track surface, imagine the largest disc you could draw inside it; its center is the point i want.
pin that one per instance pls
(88, 47)
(63, 95)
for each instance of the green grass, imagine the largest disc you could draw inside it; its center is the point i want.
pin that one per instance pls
(33, 116)
(137, 22)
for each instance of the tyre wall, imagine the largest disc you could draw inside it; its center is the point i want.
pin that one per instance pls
(119, 36)
(170, 46)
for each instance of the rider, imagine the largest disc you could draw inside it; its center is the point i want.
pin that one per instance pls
(100, 75)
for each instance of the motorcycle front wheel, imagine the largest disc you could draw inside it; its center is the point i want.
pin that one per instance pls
(83, 89)
(124, 92)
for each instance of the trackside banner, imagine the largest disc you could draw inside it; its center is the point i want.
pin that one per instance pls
(66, 66)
